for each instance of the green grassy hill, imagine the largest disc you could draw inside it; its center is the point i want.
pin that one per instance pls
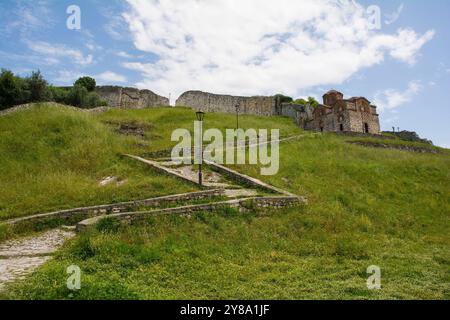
(53, 157)
(367, 206)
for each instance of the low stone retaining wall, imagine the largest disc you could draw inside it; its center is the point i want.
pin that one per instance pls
(86, 212)
(363, 135)
(164, 170)
(242, 204)
(242, 178)
(277, 202)
(396, 147)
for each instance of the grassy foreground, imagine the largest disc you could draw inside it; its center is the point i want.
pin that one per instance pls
(366, 207)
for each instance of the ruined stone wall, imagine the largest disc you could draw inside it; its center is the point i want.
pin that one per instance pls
(209, 102)
(290, 110)
(131, 98)
(323, 119)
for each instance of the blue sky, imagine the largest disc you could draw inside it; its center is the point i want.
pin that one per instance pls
(247, 47)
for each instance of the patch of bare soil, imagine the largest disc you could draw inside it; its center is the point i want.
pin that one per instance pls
(133, 128)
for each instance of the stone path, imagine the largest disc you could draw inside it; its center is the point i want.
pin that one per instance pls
(21, 257)
(235, 193)
(210, 179)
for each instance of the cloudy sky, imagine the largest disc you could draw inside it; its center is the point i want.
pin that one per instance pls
(247, 47)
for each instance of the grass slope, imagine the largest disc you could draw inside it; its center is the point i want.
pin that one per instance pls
(366, 207)
(54, 157)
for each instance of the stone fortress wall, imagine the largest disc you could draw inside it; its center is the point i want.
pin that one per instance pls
(209, 102)
(130, 98)
(336, 114)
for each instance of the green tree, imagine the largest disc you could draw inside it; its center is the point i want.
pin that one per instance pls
(11, 90)
(311, 101)
(37, 87)
(87, 82)
(283, 99)
(79, 96)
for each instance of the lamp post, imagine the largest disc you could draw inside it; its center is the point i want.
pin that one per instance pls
(200, 116)
(238, 108)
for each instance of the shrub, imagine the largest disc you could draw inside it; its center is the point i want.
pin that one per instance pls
(77, 96)
(94, 100)
(59, 95)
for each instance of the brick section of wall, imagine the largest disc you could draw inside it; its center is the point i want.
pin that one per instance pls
(209, 102)
(131, 98)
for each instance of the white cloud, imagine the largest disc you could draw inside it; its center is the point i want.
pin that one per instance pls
(66, 77)
(124, 54)
(390, 99)
(259, 47)
(116, 26)
(54, 52)
(110, 77)
(93, 46)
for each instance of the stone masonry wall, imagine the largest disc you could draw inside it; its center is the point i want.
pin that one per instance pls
(131, 98)
(358, 119)
(209, 102)
(79, 214)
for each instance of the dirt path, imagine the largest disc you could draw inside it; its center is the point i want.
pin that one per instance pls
(21, 257)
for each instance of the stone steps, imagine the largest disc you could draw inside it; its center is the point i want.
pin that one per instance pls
(20, 257)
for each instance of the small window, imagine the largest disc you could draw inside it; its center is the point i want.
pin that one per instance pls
(341, 127)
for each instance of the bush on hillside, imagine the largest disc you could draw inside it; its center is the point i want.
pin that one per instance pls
(79, 96)
(37, 87)
(15, 90)
(59, 94)
(12, 90)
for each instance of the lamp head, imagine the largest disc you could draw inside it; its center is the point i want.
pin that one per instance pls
(200, 115)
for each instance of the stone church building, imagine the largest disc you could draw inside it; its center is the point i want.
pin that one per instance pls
(337, 114)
